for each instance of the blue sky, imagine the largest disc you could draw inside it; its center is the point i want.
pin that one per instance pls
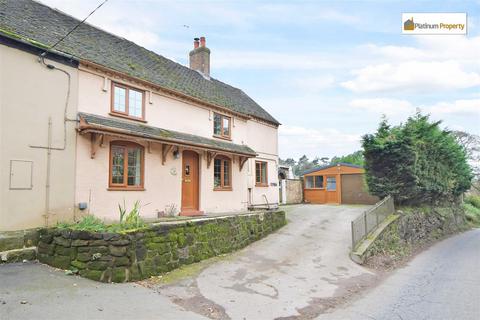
(327, 70)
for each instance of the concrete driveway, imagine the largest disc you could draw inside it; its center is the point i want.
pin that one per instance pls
(300, 271)
(297, 272)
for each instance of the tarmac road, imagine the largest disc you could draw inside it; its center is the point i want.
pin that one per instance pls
(441, 283)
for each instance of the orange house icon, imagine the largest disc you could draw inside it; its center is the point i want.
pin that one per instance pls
(409, 25)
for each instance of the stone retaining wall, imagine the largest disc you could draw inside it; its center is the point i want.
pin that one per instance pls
(120, 257)
(414, 228)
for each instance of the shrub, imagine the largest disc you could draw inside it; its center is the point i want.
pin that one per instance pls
(472, 213)
(416, 162)
(132, 219)
(473, 200)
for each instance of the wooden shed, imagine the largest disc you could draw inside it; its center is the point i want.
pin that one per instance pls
(340, 183)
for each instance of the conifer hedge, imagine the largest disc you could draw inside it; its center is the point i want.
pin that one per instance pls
(416, 162)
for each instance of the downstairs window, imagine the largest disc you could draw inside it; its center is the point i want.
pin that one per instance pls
(222, 173)
(126, 165)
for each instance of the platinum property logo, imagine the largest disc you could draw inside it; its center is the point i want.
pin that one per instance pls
(434, 23)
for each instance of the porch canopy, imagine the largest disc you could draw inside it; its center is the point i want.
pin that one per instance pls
(99, 126)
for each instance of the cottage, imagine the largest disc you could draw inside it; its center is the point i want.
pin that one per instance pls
(340, 183)
(99, 120)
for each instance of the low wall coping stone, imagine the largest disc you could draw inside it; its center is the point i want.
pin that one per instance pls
(358, 253)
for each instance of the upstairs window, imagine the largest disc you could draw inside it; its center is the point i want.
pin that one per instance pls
(261, 176)
(221, 126)
(126, 165)
(127, 102)
(222, 173)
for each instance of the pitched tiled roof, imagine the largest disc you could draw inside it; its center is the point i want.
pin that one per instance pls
(99, 123)
(345, 164)
(42, 25)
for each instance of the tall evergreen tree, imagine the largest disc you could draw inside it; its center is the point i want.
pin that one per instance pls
(416, 162)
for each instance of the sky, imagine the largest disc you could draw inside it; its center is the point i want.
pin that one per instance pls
(327, 70)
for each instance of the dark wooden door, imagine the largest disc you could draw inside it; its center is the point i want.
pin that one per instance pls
(189, 181)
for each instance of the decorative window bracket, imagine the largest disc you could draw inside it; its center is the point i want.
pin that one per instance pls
(210, 156)
(96, 140)
(149, 147)
(241, 162)
(165, 150)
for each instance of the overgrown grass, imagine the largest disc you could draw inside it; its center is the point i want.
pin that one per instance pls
(473, 200)
(87, 223)
(127, 221)
(471, 206)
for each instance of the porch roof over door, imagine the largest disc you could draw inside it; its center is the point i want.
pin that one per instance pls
(91, 123)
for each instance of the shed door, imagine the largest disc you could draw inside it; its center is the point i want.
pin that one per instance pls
(332, 189)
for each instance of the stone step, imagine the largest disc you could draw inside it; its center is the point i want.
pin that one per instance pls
(18, 255)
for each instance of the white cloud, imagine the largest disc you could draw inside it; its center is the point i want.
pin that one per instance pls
(312, 84)
(412, 76)
(460, 107)
(385, 106)
(296, 141)
(465, 50)
(239, 59)
(434, 63)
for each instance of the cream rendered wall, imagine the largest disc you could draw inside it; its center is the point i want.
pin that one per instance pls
(224, 201)
(162, 188)
(163, 112)
(263, 138)
(161, 184)
(30, 93)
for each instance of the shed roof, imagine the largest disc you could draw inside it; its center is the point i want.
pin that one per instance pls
(319, 168)
(42, 26)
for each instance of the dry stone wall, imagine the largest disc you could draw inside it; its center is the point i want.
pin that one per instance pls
(120, 257)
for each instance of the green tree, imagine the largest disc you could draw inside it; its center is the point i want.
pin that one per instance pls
(353, 158)
(288, 162)
(416, 162)
(302, 165)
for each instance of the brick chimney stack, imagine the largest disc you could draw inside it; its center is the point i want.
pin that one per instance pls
(200, 57)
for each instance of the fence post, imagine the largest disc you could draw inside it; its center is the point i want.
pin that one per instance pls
(365, 222)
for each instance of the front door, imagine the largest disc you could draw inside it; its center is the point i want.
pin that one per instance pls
(189, 182)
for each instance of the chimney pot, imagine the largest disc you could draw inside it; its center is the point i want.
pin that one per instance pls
(200, 57)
